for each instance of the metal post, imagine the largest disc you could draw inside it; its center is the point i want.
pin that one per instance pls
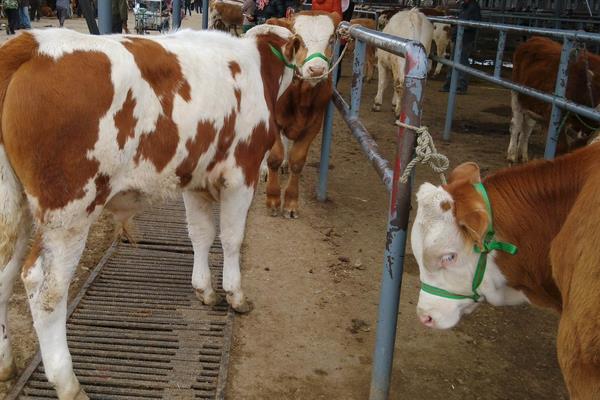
(499, 54)
(327, 133)
(453, 82)
(176, 14)
(204, 14)
(391, 280)
(357, 76)
(104, 17)
(559, 90)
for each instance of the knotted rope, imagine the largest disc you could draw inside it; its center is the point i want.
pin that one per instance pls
(425, 153)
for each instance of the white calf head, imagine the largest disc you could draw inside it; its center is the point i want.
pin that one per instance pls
(316, 29)
(450, 221)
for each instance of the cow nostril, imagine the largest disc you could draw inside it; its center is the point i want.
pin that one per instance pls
(426, 320)
(316, 70)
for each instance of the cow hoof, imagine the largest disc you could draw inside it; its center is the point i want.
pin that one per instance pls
(376, 107)
(244, 307)
(209, 299)
(274, 211)
(81, 395)
(8, 372)
(290, 214)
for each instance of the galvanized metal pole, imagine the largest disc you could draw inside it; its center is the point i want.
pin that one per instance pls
(453, 82)
(500, 54)
(204, 14)
(104, 17)
(357, 76)
(176, 14)
(327, 133)
(391, 281)
(559, 90)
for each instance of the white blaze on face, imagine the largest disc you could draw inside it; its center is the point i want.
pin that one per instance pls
(446, 260)
(316, 32)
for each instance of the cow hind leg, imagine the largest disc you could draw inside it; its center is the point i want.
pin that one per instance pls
(516, 128)
(382, 83)
(528, 126)
(235, 202)
(7, 278)
(46, 274)
(274, 162)
(201, 228)
(15, 225)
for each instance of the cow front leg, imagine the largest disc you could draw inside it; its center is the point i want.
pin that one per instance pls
(46, 274)
(516, 128)
(274, 161)
(8, 273)
(296, 159)
(382, 82)
(202, 232)
(235, 202)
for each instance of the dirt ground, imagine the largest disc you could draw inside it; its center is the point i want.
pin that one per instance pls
(315, 282)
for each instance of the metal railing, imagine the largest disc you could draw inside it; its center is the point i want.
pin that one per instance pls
(400, 193)
(558, 100)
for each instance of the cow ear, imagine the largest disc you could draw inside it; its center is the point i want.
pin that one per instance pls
(469, 210)
(468, 171)
(291, 48)
(337, 18)
(283, 22)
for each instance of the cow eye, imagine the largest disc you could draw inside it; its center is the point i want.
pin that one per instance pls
(448, 259)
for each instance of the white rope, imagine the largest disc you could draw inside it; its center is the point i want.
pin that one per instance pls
(425, 153)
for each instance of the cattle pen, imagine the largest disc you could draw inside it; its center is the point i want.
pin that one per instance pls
(205, 359)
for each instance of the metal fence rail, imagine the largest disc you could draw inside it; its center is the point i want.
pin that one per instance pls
(400, 193)
(558, 100)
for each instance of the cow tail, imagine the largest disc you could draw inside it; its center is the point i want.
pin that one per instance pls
(13, 54)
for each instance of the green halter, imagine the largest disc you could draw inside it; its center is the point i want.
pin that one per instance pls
(489, 244)
(316, 55)
(278, 54)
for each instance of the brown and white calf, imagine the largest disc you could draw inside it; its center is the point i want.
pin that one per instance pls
(225, 15)
(442, 40)
(301, 109)
(127, 120)
(550, 211)
(535, 64)
(412, 25)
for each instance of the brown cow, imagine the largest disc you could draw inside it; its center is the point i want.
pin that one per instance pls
(370, 58)
(535, 64)
(301, 109)
(549, 210)
(225, 16)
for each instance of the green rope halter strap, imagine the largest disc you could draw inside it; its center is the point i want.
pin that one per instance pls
(488, 245)
(316, 55)
(280, 56)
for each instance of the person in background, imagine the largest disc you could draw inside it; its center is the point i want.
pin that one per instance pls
(11, 10)
(35, 10)
(24, 22)
(328, 5)
(187, 6)
(248, 10)
(119, 16)
(469, 11)
(61, 11)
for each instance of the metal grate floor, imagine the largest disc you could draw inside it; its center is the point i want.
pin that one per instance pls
(137, 330)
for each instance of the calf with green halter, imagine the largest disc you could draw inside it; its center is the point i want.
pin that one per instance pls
(526, 234)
